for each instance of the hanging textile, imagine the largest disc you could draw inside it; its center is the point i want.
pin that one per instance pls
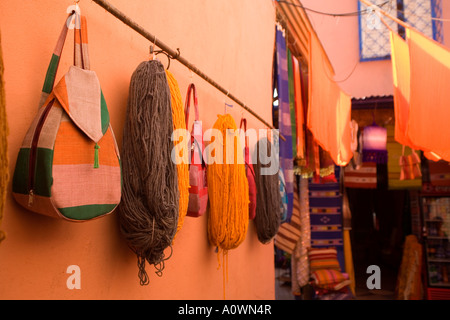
(4, 131)
(428, 126)
(347, 227)
(289, 232)
(364, 177)
(329, 107)
(393, 166)
(299, 112)
(148, 211)
(292, 102)
(267, 218)
(325, 207)
(181, 144)
(300, 261)
(401, 81)
(409, 279)
(284, 118)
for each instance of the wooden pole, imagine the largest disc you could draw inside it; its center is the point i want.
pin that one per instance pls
(175, 54)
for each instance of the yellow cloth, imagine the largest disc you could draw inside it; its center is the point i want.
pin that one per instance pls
(179, 122)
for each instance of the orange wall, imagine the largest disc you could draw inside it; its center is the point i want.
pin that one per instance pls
(231, 41)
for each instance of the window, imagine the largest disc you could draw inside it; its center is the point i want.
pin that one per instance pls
(374, 35)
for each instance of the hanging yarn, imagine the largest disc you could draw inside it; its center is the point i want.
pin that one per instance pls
(148, 212)
(179, 122)
(227, 192)
(267, 219)
(4, 131)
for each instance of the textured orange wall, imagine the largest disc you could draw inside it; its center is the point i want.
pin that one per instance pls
(232, 42)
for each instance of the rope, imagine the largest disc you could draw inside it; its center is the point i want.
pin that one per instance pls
(179, 122)
(228, 195)
(268, 197)
(148, 212)
(4, 131)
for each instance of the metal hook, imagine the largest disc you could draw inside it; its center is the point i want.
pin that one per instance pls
(167, 55)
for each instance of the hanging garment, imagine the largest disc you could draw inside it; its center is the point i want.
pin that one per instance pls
(409, 279)
(289, 232)
(364, 177)
(401, 80)
(329, 107)
(428, 127)
(300, 272)
(283, 195)
(292, 102)
(68, 166)
(148, 212)
(299, 112)
(181, 145)
(4, 131)
(284, 119)
(267, 218)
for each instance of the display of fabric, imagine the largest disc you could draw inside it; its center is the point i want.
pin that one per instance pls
(364, 177)
(284, 118)
(289, 232)
(409, 279)
(299, 110)
(325, 203)
(4, 131)
(179, 122)
(292, 102)
(148, 211)
(401, 80)
(329, 107)
(300, 262)
(428, 126)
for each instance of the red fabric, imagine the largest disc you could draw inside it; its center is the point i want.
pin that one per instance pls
(250, 176)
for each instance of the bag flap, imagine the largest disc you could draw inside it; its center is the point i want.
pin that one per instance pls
(81, 97)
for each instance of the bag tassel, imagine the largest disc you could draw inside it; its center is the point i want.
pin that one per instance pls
(96, 162)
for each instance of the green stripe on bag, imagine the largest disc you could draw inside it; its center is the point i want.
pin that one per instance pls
(87, 212)
(51, 74)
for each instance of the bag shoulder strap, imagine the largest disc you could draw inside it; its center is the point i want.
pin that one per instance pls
(192, 89)
(80, 55)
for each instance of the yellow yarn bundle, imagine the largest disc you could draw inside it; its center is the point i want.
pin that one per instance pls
(179, 122)
(228, 194)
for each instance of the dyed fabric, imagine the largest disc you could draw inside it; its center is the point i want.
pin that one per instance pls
(300, 261)
(323, 258)
(325, 203)
(284, 119)
(364, 177)
(409, 279)
(329, 107)
(4, 132)
(284, 198)
(289, 232)
(401, 80)
(292, 102)
(428, 126)
(69, 165)
(299, 110)
(330, 279)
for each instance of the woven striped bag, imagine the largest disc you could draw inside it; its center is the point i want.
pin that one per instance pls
(69, 164)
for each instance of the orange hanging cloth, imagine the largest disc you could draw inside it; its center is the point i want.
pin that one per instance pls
(401, 80)
(428, 126)
(329, 107)
(298, 109)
